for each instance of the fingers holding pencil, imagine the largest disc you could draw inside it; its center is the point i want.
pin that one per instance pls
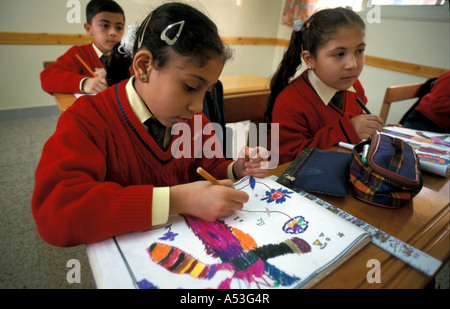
(214, 181)
(206, 200)
(96, 82)
(208, 176)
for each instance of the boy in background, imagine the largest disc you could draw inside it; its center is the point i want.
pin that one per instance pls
(105, 22)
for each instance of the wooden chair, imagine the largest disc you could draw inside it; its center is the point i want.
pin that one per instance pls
(397, 94)
(47, 63)
(63, 100)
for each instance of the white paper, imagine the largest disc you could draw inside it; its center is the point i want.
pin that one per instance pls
(229, 252)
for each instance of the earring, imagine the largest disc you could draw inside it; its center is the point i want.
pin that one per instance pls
(144, 77)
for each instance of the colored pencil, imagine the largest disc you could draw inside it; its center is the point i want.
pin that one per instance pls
(363, 106)
(85, 65)
(208, 176)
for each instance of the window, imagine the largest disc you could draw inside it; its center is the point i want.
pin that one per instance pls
(408, 2)
(303, 9)
(356, 5)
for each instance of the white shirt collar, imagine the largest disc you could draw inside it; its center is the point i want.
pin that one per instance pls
(325, 92)
(137, 105)
(98, 51)
(141, 110)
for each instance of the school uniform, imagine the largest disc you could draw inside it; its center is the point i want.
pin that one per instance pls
(433, 111)
(68, 73)
(102, 174)
(308, 119)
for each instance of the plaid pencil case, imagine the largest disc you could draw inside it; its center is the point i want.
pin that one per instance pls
(385, 171)
(319, 171)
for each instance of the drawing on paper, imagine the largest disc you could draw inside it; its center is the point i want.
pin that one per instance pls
(431, 159)
(145, 284)
(294, 225)
(237, 251)
(277, 195)
(265, 245)
(272, 195)
(169, 235)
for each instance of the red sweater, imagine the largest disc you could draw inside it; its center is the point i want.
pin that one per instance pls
(436, 104)
(65, 75)
(96, 175)
(305, 121)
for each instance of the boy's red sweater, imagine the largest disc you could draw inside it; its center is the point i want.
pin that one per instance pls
(97, 172)
(66, 74)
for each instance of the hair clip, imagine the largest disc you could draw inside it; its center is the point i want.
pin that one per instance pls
(309, 23)
(298, 25)
(128, 39)
(144, 27)
(166, 39)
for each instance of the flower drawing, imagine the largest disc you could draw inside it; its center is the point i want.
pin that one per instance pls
(295, 225)
(279, 196)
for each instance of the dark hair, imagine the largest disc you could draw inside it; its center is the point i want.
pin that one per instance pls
(199, 40)
(117, 66)
(97, 6)
(322, 25)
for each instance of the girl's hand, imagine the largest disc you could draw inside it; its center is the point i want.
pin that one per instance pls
(252, 162)
(367, 125)
(205, 200)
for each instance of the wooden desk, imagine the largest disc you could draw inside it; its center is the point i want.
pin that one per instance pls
(245, 97)
(422, 223)
(64, 100)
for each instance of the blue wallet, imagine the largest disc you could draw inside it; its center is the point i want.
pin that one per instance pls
(319, 171)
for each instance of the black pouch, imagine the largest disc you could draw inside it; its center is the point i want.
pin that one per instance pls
(319, 171)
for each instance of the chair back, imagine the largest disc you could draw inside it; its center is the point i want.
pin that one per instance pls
(397, 94)
(47, 63)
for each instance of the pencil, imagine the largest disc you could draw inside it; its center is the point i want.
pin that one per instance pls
(85, 65)
(363, 106)
(207, 176)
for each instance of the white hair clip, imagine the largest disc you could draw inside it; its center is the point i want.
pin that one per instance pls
(166, 39)
(141, 37)
(128, 39)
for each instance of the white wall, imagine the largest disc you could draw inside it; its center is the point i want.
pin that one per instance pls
(21, 64)
(412, 34)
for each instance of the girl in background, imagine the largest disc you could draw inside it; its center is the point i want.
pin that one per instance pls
(319, 107)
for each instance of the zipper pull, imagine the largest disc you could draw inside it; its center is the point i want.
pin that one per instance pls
(290, 178)
(367, 173)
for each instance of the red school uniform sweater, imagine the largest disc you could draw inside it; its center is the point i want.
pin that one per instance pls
(97, 172)
(65, 75)
(436, 104)
(306, 122)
